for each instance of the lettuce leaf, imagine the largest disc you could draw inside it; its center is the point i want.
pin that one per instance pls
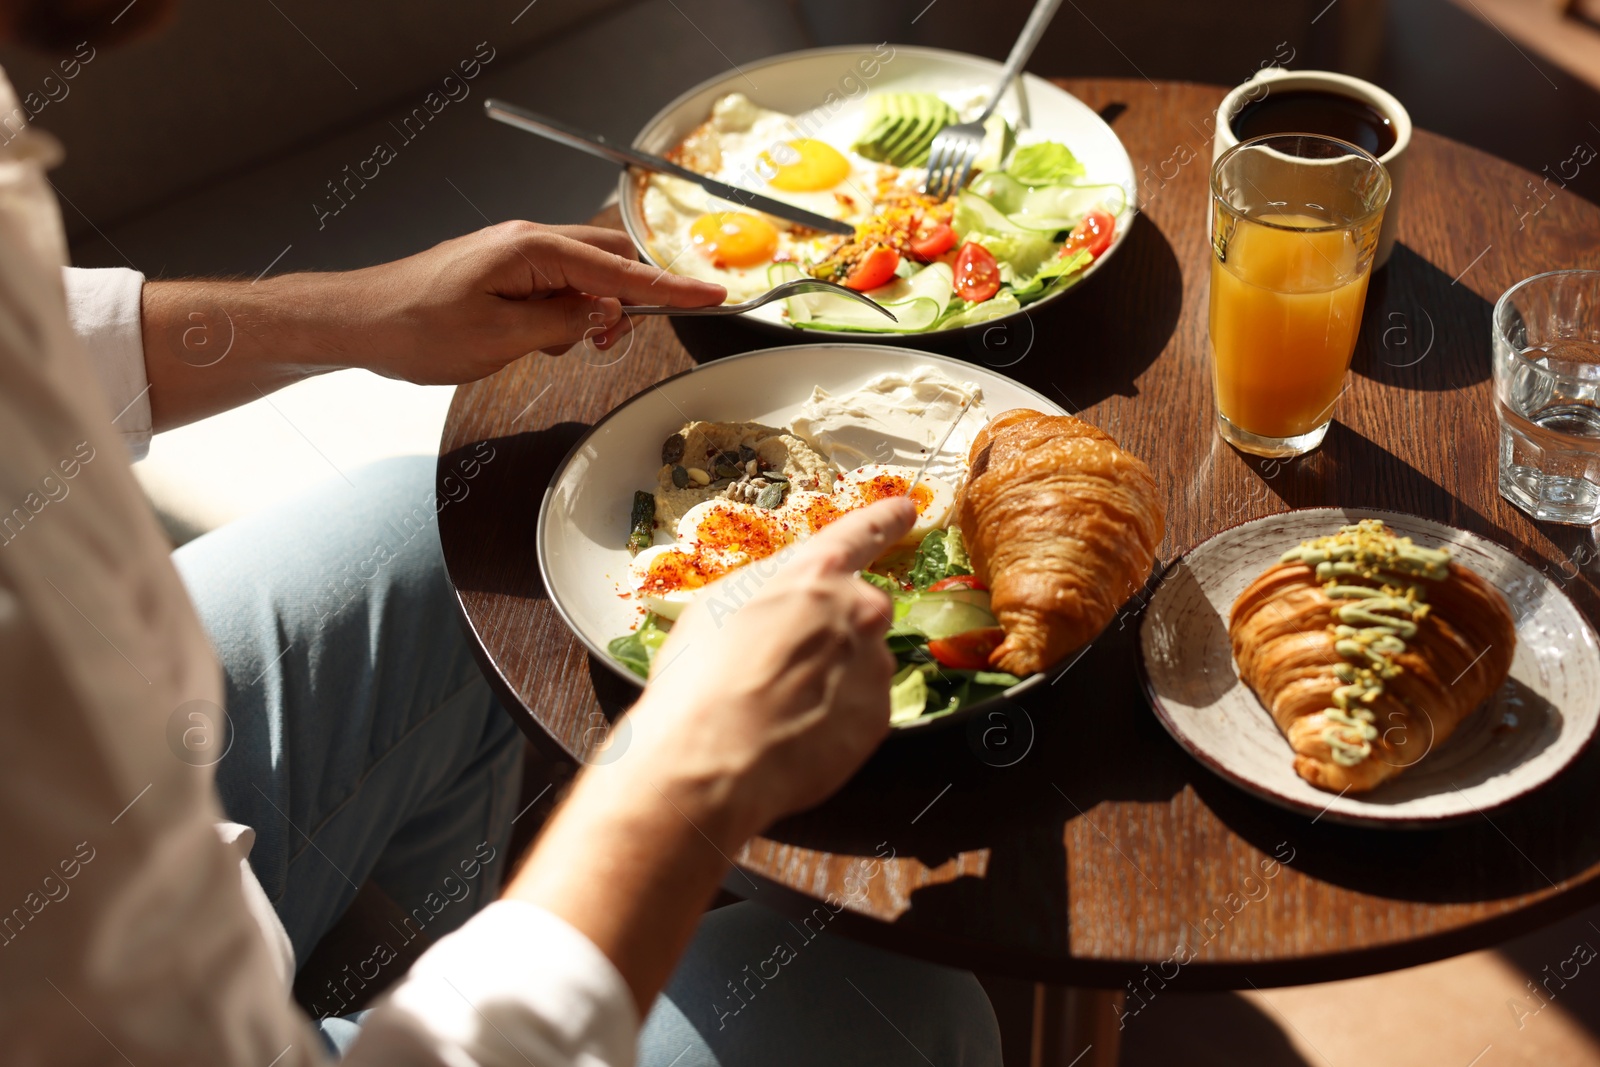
(940, 555)
(635, 651)
(888, 585)
(1053, 275)
(1044, 164)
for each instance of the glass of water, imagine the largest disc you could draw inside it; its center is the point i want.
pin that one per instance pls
(1547, 395)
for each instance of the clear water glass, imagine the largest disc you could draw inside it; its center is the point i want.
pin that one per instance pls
(1546, 334)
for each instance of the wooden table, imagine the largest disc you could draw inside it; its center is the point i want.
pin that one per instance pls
(1075, 843)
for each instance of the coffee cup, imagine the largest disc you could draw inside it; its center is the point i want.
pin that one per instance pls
(1271, 80)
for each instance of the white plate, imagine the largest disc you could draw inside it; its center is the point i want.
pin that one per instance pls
(1521, 738)
(583, 522)
(826, 84)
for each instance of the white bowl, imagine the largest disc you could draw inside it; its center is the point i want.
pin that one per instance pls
(829, 84)
(583, 521)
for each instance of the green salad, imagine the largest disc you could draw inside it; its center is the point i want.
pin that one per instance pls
(942, 634)
(1026, 226)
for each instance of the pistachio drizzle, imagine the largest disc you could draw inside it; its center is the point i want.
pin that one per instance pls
(1373, 624)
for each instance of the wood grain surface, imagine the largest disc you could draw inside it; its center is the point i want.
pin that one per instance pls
(1069, 839)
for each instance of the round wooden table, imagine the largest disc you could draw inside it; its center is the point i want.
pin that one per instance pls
(1074, 842)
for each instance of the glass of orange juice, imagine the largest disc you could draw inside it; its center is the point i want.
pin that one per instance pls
(1294, 225)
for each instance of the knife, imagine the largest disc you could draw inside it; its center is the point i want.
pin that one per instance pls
(595, 145)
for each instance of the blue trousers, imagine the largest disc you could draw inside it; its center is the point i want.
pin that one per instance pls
(366, 745)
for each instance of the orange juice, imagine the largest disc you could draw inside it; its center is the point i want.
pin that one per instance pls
(1285, 310)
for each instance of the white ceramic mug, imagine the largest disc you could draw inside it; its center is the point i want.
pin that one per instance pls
(1276, 79)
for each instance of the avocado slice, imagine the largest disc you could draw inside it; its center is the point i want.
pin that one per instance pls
(998, 140)
(901, 126)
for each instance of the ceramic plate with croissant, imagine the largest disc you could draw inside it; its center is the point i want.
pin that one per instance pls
(1034, 527)
(1370, 667)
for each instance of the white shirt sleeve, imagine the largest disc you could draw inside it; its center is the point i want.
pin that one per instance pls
(514, 986)
(104, 309)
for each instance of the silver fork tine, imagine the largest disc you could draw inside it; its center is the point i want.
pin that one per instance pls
(954, 148)
(941, 176)
(777, 292)
(964, 169)
(935, 176)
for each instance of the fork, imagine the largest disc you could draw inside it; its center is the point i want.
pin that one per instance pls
(777, 292)
(955, 147)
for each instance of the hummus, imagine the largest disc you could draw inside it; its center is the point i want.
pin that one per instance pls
(704, 442)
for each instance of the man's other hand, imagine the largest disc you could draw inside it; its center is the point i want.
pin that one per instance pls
(465, 308)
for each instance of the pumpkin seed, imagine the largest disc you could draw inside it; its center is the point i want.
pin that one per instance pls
(746, 453)
(770, 497)
(672, 448)
(680, 476)
(720, 483)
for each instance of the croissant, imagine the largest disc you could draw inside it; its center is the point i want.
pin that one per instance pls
(1062, 525)
(1369, 651)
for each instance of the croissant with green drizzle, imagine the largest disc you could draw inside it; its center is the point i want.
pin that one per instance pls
(1369, 651)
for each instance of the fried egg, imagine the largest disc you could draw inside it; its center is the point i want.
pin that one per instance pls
(766, 151)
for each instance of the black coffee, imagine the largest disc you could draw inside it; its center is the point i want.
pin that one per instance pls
(1316, 111)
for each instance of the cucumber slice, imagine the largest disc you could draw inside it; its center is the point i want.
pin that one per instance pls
(850, 317)
(908, 694)
(1002, 303)
(976, 212)
(1001, 190)
(944, 614)
(917, 301)
(779, 273)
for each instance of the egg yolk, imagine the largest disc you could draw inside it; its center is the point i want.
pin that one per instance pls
(673, 571)
(809, 166)
(818, 511)
(735, 530)
(734, 239)
(884, 486)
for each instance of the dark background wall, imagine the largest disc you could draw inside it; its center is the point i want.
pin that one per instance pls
(202, 149)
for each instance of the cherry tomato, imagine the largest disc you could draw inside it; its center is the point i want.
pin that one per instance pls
(977, 274)
(1093, 233)
(875, 268)
(930, 242)
(969, 651)
(957, 581)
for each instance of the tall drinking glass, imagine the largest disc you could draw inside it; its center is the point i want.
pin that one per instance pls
(1546, 334)
(1294, 225)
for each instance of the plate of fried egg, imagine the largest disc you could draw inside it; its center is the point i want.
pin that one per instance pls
(845, 133)
(694, 490)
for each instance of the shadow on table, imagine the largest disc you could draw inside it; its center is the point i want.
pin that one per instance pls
(1420, 329)
(1555, 962)
(1357, 471)
(1204, 1030)
(488, 499)
(1007, 783)
(1077, 350)
(1523, 847)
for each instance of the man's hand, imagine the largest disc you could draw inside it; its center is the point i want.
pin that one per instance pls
(465, 308)
(779, 703)
(456, 313)
(742, 723)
